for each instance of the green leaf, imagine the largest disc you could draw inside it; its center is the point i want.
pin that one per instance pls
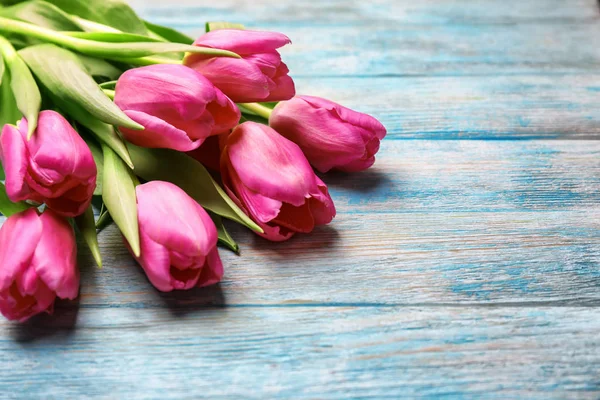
(114, 51)
(187, 173)
(216, 25)
(119, 197)
(9, 2)
(115, 13)
(91, 26)
(99, 160)
(1, 67)
(9, 113)
(111, 85)
(112, 37)
(168, 34)
(24, 88)
(224, 238)
(42, 14)
(99, 68)
(87, 227)
(105, 133)
(61, 72)
(7, 207)
(270, 104)
(103, 220)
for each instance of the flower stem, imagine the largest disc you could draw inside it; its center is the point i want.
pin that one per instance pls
(109, 50)
(109, 93)
(256, 108)
(7, 50)
(143, 61)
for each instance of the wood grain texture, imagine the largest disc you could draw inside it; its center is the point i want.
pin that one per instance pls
(306, 353)
(454, 268)
(400, 38)
(479, 107)
(433, 222)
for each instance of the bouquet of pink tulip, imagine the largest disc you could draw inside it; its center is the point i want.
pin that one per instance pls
(159, 133)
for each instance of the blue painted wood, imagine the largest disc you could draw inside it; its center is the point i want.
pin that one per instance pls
(456, 268)
(472, 107)
(424, 38)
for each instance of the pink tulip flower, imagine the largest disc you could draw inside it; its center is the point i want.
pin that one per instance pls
(55, 166)
(330, 135)
(272, 181)
(37, 264)
(178, 107)
(177, 237)
(259, 75)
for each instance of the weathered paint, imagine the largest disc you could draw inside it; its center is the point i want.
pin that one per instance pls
(455, 268)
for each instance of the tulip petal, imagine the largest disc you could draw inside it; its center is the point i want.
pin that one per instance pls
(74, 202)
(169, 92)
(326, 140)
(55, 257)
(14, 161)
(19, 237)
(183, 279)
(266, 62)
(262, 209)
(321, 205)
(212, 271)
(170, 217)
(243, 41)
(241, 80)
(283, 172)
(158, 133)
(198, 129)
(154, 260)
(285, 88)
(275, 233)
(346, 114)
(55, 161)
(58, 151)
(297, 219)
(225, 113)
(20, 307)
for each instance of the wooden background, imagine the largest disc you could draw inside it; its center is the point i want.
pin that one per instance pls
(464, 264)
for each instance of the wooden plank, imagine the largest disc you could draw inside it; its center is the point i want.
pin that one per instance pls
(435, 222)
(305, 353)
(475, 107)
(333, 12)
(413, 38)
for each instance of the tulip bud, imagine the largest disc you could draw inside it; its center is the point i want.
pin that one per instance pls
(272, 181)
(330, 135)
(55, 166)
(37, 263)
(177, 237)
(259, 75)
(178, 107)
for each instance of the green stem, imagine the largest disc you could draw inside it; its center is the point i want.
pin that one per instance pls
(91, 26)
(143, 61)
(256, 108)
(109, 93)
(108, 50)
(7, 50)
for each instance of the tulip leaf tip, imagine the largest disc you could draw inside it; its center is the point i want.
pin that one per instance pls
(97, 258)
(136, 249)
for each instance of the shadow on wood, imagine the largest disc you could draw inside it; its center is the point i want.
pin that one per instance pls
(361, 182)
(58, 326)
(183, 302)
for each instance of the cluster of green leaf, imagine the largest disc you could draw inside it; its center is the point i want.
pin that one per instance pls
(66, 55)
